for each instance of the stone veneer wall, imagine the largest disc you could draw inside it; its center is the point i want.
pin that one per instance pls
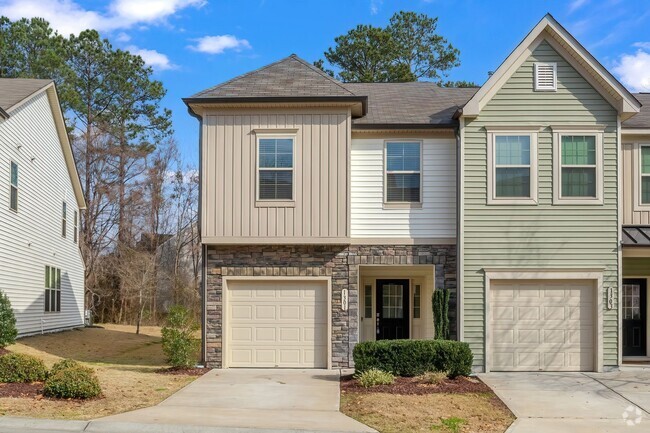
(339, 262)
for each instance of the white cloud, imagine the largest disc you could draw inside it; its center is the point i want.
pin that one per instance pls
(634, 71)
(123, 37)
(644, 45)
(153, 58)
(577, 4)
(219, 44)
(375, 5)
(67, 16)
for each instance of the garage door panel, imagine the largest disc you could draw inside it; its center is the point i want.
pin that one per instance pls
(541, 325)
(277, 324)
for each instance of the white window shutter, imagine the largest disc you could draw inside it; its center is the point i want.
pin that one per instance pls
(545, 76)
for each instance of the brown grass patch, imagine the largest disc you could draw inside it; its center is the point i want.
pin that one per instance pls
(393, 413)
(125, 363)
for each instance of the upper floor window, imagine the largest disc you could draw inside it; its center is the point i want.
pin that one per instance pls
(512, 172)
(545, 76)
(403, 172)
(275, 168)
(642, 177)
(76, 227)
(13, 199)
(578, 168)
(64, 220)
(52, 289)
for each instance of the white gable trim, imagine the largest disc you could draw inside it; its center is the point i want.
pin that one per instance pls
(547, 30)
(62, 132)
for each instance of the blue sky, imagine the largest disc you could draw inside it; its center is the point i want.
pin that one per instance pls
(194, 44)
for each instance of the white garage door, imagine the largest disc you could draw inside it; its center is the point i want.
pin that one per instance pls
(277, 324)
(542, 325)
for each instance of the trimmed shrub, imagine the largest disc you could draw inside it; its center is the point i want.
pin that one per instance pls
(8, 331)
(440, 305)
(62, 365)
(73, 382)
(374, 377)
(18, 367)
(178, 342)
(414, 357)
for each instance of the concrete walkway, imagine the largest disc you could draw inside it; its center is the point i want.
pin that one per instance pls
(302, 400)
(575, 402)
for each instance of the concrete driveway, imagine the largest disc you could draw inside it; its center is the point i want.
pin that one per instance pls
(279, 400)
(575, 402)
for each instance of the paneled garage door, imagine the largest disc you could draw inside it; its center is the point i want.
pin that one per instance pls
(277, 324)
(542, 325)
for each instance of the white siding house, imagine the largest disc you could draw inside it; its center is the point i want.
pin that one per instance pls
(37, 180)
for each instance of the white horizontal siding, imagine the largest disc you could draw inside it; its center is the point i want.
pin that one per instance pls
(436, 218)
(31, 238)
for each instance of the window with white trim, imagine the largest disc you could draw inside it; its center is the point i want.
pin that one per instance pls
(512, 172)
(577, 174)
(13, 188)
(75, 235)
(403, 172)
(52, 289)
(64, 220)
(545, 77)
(275, 168)
(417, 295)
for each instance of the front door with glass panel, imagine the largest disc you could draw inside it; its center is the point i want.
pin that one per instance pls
(634, 317)
(392, 309)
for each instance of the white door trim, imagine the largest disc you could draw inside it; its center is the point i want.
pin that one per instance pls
(225, 355)
(593, 274)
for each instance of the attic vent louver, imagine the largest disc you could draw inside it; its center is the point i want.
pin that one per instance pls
(546, 76)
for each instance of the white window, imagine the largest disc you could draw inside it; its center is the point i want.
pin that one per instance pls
(403, 169)
(512, 167)
(52, 289)
(64, 220)
(13, 193)
(577, 174)
(545, 77)
(275, 174)
(76, 227)
(642, 177)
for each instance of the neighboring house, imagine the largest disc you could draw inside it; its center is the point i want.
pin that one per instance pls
(330, 211)
(41, 268)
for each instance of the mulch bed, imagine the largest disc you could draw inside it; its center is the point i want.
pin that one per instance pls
(175, 371)
(414, 386)
(21, 390)
(3, 351)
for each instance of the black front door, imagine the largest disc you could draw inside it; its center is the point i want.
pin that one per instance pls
(634, 317)
(392, 309)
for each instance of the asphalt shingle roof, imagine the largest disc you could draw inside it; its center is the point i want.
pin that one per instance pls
(289, 77)
(642, 118)
(14, 90)
(410, 103)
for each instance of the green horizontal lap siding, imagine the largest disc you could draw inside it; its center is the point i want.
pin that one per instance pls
(542, 236)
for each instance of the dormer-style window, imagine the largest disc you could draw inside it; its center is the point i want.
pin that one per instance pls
(546, 77)
(403, 172)
(275, 168)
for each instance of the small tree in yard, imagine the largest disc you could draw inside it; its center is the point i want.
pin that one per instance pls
(178, 341)
(440, 304)
(8, 331)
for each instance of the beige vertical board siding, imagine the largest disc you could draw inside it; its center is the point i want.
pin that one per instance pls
(31, 238)
(630, 215)
(538, 236)
(436, 218)
(320, 211)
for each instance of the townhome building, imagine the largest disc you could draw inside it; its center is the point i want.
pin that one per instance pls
(330, 212)
(41, 267)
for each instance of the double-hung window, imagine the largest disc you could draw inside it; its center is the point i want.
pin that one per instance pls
(403, 172)
(52, 289)
(275, 174)
(13, 188)
(642, 177)
(578, 168)
(512, 167)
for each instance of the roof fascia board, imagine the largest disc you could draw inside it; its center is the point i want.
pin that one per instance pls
(66, 147)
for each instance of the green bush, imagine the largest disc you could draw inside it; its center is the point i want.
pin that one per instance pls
(62, 365)
(8, 331)
(17, 367)
(178, 342)
(414, 357)
(374, 377)
(73, 382)
(440, 305)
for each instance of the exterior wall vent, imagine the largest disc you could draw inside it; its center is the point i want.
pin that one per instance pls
(545, 77)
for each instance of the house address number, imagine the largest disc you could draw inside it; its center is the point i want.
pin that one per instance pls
(344, 299)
